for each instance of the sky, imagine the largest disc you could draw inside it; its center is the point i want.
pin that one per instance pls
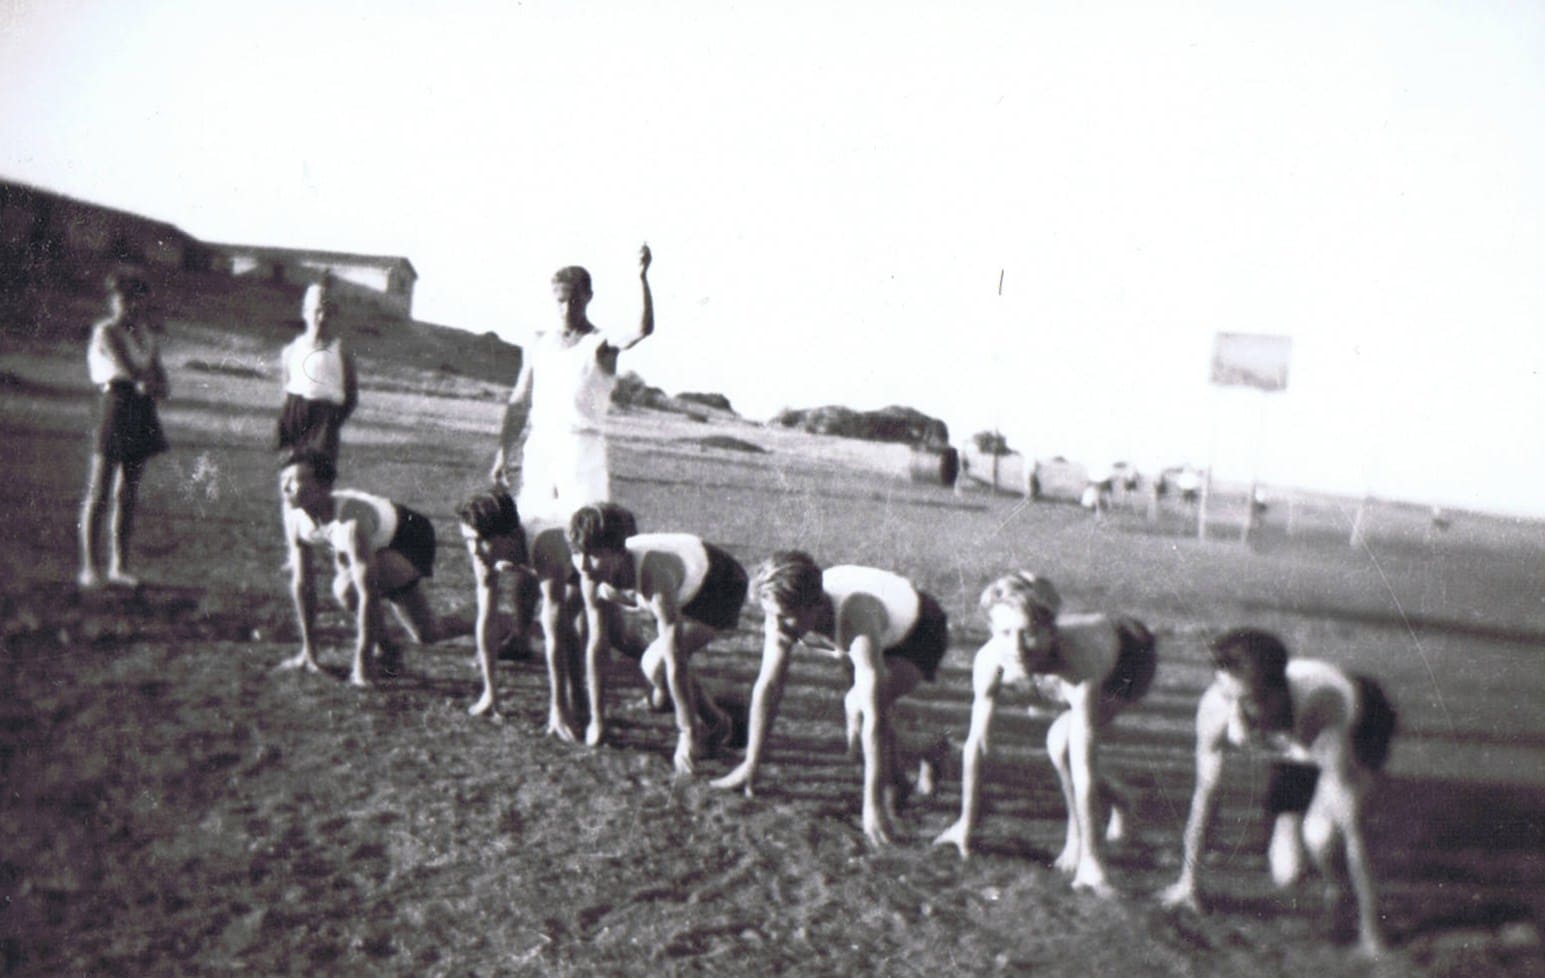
(1028, 216)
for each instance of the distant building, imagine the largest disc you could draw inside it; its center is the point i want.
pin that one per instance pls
(42, 231)
(382, 284)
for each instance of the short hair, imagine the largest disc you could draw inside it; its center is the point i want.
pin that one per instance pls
(601, 527)
(1035, 595)
(128, 282)
(491, 513)
(790, 578)
(574, 275)
(321, 465)
(1252, 654)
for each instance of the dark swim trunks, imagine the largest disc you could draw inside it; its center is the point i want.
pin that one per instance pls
(128, 427)
(1136, 662)
(719, 598)
(415, 540)
(928, 640)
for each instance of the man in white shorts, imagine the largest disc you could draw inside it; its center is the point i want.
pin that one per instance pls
(560, 401)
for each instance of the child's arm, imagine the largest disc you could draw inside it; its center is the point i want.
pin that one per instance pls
(1212, 715)
(668, 620)
(302, 595)
(350, 381)
(765, 695)
(366, 614)
(986, 681)
(516, 411)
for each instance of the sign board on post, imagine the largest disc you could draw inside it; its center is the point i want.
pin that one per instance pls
(1251, 360)
(1255, 360)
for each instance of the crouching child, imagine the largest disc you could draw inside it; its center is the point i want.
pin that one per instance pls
(382, 552)
(692, 590)
(1329, 732)
(1091, 667)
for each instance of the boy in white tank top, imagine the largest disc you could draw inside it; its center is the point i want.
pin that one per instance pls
(382, 551)
(894, 636)
(560, 401)
(693, 590)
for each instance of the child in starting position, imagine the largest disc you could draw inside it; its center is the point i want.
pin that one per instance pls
(382, 550)
(1095, 665)
(496, 542)
(893, 634)
(1331, 731)
(693, 590)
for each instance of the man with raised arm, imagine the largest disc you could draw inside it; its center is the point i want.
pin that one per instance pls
(560, 400)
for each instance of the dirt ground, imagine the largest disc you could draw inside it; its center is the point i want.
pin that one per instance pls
(174, 806)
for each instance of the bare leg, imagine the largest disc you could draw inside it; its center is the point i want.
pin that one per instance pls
(125, 496)
(92, 512)
(1057, 750)
(560, 665)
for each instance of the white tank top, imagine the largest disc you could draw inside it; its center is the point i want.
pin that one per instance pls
(104, 367)
(377, 516)
(569, 390)
(684, 547)
(314, 372)
(894, 592)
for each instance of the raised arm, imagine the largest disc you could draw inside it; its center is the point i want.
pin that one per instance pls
(646, 319)
(1212, 715)
(516, 411)
(986, 681)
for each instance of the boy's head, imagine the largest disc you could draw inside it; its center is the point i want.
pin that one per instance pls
(788, 587)
(127, 287)
(1021, 610)
(1251, 666)
(317, 305)
(490, 524)
(598, 539)
(306, 479)
(572, 284)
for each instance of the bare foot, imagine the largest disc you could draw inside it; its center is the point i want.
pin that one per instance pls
(88, 579)
(301, 660)
(738, 778)
(120, 578)
(484, 706)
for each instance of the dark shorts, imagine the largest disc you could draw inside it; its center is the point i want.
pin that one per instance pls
(1136, 662)
(723, 592)
(128, 428)
(1291, 787)
(415, 540)
(928, 640)
(307, 425)
(1375, 725)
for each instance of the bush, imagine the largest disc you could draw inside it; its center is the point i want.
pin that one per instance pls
(990, 443)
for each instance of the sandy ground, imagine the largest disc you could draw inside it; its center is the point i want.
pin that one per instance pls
(173, 806)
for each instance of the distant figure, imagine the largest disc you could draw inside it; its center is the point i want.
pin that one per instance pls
(560, 401)
(320, 390)
(1098, 489)
(382, 550)
(496, 543)
(1331, 731)
(1092, 665)
(124, 361)
(693, 591)
(893, 634)
(962, 473)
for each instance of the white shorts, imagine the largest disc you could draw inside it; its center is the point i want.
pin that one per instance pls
(560, 473)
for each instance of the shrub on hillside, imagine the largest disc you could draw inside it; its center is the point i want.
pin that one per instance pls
(889, 424)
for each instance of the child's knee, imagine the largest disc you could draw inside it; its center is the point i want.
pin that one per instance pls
(1057, 736)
